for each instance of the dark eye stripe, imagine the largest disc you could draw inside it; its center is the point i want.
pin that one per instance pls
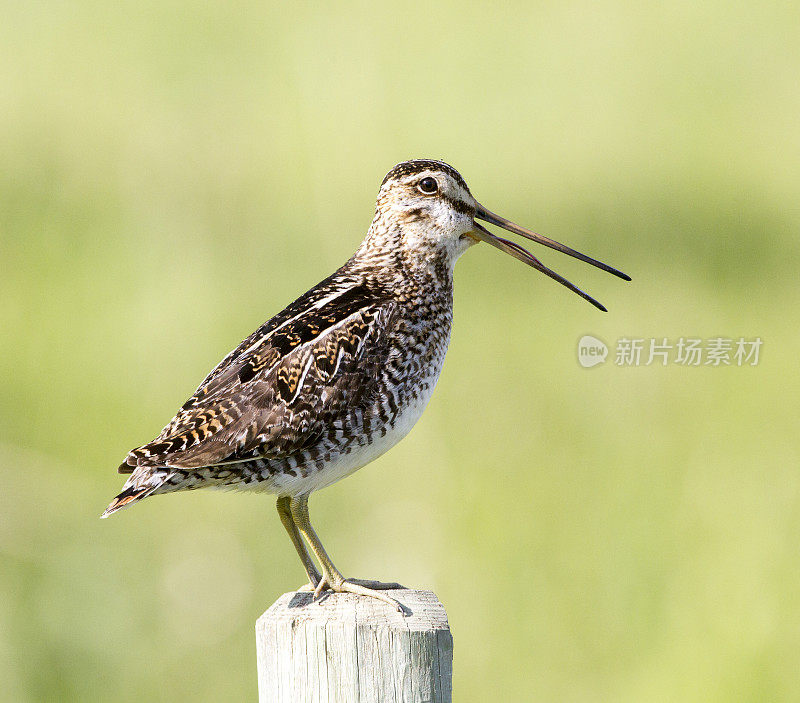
(457, 205)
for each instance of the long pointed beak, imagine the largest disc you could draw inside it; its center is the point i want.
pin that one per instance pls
(519, 252)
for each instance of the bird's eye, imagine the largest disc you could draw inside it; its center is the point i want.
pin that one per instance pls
(428, 185)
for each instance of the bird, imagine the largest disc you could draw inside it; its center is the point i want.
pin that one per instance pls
(340, 375)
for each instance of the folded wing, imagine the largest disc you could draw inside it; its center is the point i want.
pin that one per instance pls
(280, 391)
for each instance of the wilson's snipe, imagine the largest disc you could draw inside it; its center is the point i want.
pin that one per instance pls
(343, 373)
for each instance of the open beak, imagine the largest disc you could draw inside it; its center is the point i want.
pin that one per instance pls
(519, 252)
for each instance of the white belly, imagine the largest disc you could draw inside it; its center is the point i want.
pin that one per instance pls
(360, 454)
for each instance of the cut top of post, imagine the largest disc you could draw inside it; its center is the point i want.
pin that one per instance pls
(350, 648)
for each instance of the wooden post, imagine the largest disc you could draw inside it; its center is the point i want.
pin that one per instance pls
(351, 649)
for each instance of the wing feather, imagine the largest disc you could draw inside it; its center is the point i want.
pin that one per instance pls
(283, 390)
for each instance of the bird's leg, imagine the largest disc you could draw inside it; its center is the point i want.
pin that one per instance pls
(284, 510)
(331, 576)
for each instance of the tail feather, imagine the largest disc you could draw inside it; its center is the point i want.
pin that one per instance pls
(136, 488)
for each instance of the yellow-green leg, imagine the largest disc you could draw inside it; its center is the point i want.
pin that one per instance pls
(331, 576)
(284, 510)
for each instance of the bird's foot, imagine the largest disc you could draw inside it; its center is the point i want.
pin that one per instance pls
(361, 587)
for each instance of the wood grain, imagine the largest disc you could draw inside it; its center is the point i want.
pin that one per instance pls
(350, 649)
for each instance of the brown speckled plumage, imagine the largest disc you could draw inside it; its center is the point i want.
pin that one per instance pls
(340, 375)
(327, 375)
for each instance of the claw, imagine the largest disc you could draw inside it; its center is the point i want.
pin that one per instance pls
(323, 582)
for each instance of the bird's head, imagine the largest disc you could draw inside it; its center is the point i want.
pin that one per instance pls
(429, 206)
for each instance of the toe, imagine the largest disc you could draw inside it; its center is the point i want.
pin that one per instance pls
(377, 585)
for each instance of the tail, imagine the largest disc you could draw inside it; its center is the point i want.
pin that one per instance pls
(138, 486)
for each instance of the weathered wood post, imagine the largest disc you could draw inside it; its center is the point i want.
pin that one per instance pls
(350, 649)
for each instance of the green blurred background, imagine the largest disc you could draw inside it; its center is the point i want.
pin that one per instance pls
(174, 173)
